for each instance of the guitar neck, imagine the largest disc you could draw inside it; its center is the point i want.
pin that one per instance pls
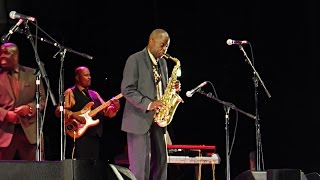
(103, 106)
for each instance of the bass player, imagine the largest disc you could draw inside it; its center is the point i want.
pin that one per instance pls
(77, 98)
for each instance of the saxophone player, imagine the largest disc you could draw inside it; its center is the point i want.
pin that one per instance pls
(145, 77)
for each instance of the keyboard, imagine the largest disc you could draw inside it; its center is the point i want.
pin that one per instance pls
(213, 159)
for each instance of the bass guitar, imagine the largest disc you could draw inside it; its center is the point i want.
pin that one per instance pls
(75, 129)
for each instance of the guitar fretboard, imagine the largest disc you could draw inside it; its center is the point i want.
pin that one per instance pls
(103, 106)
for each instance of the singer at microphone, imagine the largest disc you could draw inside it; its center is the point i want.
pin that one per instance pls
(237, 42)
(192, 91)
(5, 38)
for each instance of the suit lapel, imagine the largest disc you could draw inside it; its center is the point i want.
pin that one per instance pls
(4, 80)
(25, 81)
(148, 62)
(22, 82)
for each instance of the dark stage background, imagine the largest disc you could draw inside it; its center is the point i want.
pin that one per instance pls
(284, 41)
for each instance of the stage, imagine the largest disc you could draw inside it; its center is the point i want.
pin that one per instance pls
(62, 170)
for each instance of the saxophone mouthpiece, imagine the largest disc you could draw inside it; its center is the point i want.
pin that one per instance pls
(167, 56)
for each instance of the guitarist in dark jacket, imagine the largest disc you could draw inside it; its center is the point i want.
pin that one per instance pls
(87, 144)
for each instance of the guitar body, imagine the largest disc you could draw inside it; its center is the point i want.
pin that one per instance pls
(75, 129)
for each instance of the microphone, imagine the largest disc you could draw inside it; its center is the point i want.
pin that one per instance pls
(237, 42)
(15, 15)
(192, 91)
(5, 38)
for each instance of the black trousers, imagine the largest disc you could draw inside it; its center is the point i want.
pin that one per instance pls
(85, 147)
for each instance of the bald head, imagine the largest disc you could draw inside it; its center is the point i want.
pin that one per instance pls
(159, 42)
(80, 69)
(9, 56)
(9, 47)
(157, 33)
(82, 76)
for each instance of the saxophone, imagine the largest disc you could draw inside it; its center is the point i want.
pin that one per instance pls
(170, 98)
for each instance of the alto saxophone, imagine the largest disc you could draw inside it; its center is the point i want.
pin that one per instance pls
(170, 98)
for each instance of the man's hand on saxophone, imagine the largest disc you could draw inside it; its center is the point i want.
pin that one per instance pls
(177, 86)
(156, 105)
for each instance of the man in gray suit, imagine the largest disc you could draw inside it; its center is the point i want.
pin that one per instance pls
(18, 133)
(145, 77)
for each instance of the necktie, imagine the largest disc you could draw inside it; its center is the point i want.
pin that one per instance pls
(157, 79)
(86, 92)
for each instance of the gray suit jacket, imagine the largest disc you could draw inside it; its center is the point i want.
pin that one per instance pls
(139, 89)
(27, 96)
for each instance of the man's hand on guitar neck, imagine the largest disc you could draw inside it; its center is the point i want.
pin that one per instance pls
(114, 107)
(78, 118)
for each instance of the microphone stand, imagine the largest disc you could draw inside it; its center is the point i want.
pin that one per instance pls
(39, 144)
(62, 51)
(56, 44)
(61, 103)
(227, 106)
(44, 75)
(256, 78)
